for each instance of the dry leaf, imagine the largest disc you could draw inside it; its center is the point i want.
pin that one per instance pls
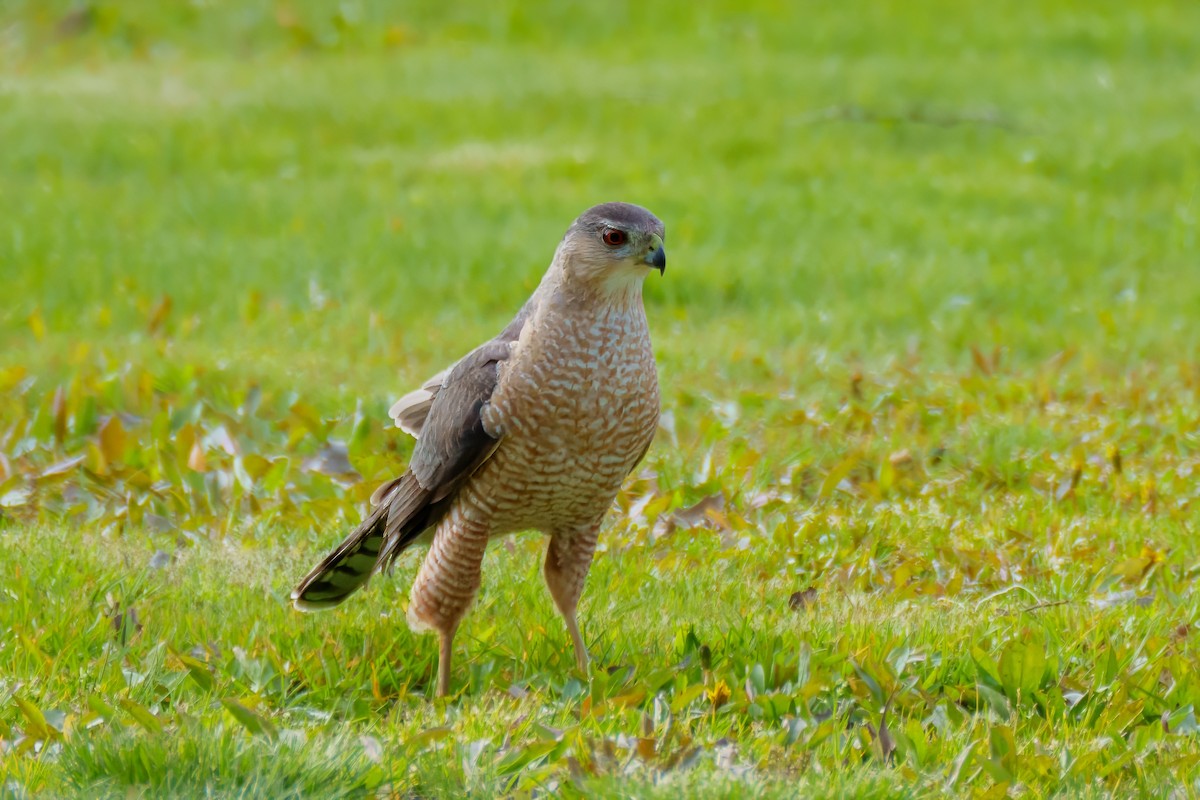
(158, 314)
(62, 467)
(59, 408)
(333, 460)
(196, 459)
(112, 440)
(706, 512)
(803, 599)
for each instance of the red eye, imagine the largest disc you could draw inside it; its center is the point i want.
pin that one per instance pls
(613, 237)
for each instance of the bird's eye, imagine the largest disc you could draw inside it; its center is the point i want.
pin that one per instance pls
(613, 237)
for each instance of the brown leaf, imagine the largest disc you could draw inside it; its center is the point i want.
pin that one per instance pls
(158, 314)
(125, 623)
(1067, 485)
(803, 599)
(696, 514)
(887, 745)
(59, 409)
(981, 362)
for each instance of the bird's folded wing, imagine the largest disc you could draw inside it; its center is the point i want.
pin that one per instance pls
(410, 411)
(454, 443)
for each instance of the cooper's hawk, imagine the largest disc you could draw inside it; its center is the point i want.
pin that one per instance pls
(535, 429)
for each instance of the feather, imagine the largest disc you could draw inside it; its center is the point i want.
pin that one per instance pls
(410, 411)
(352, 563)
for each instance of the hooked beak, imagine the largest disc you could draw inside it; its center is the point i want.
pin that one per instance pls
(657, 257)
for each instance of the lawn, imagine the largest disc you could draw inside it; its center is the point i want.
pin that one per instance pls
(921, 516)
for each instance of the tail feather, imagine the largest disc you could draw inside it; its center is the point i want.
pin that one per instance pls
(392, 525)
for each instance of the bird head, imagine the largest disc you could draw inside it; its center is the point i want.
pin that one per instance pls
(613, 246)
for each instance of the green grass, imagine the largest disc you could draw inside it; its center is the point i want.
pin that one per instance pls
(928, 332)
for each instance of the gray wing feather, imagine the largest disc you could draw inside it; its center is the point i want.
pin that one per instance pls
(453, 444)
(410, 411)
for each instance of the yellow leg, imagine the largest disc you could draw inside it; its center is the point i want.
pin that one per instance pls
(568, 559)
(581, 653)
(445, 654)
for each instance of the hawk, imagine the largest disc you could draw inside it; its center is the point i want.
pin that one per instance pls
(533, 430)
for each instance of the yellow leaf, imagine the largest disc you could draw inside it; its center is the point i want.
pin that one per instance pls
(36, 725)
(887, 475)
(141, 715)
(625, 700)
(427, 736)
(11, 376)
(184, 439)
(836, 475)
(37, 324)
(719, 695)
(255, 465)
(112, 440)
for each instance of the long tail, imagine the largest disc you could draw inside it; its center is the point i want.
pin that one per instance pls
(400, 517)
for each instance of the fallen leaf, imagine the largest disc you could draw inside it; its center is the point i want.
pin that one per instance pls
(158, 314)
(112, 440)
(836, 475)
(62, 467)
(257, 724)
(59, 409)
(197, 461)
(333, 460)
(706, 512)
(803, 598)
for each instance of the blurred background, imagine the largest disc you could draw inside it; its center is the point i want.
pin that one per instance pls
(358, 190)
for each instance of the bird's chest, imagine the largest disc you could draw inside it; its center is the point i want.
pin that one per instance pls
(578, 410)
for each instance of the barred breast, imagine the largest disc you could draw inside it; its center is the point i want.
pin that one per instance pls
(577, 405)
